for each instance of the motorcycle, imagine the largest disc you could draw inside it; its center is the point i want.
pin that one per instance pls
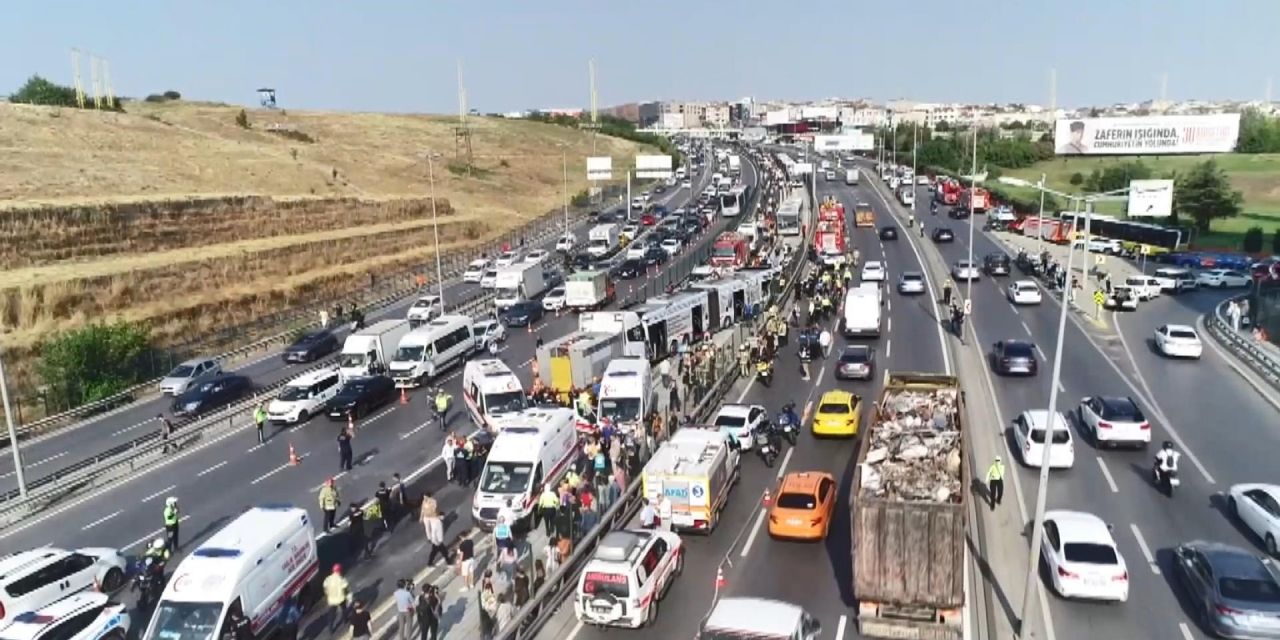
(789, 423)
(148, 581)
(764, 371)
(1165, 481)
(765, 447)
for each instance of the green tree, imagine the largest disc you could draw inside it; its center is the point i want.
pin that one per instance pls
(1203, 193)
(1253, 240)
(93, 362)
(1077, 179)
(1259, 133)
(37, 90)
(942, 125)
(1275, 242)
(242, 119)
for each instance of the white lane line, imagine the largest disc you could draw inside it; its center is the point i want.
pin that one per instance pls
(1106, 473)
(49, 459)
(151, 535)
(1146, 551)
(1041, 352)
(160, 493)
(782, 468)
(888, 324)
(385, 412)
(1182, 626)
(213, 468)
(577, 628)
(255, 447)
(271, 473)
(101, 520)
(888, 349)
(745, 389)
(1061, 389)
(128, 429)
(844, 621)
(1026, 328)
(755, 531)
(416, 429)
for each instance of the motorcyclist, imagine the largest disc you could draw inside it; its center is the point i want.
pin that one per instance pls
(1166, 461)
(764, 370)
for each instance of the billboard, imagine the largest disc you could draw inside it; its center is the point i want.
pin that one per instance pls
(774, 118)
(1150, 198)
(653, 167)
(600, 168)
(672, 121)
(856, 141)
(1147, 135)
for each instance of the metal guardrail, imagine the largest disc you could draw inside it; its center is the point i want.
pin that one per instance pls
(1260, 359)
(534, 232)
(149, 448)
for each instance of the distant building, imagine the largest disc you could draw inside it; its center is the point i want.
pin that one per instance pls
(716, 116)
(572, 113)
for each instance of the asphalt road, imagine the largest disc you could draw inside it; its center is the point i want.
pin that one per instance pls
(816, 576)
(1225, 429)
(217, 479)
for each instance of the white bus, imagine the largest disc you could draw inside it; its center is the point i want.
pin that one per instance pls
(788, 216)
(731, 203)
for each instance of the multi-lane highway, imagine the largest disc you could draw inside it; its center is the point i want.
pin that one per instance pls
(216, 480)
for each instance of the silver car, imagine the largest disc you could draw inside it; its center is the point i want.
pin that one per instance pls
(1235, 592)
(911, 283)
(187, 374)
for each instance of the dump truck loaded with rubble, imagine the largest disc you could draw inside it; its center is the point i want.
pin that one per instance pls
(909, 512)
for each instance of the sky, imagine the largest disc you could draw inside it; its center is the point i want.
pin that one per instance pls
(402, 56)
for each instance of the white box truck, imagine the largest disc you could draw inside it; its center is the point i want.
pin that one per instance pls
(602, 240)
(851, 176)
(695, 469)
(588, 290)
(735, 165)
(368, 351)
(518, 282)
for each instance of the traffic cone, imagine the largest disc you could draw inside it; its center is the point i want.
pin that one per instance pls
(404, 396)
(351, 423)
(768, 499)
(293, 456)
(720, 581)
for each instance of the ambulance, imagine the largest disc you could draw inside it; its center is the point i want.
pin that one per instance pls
(532, 452)
(492, 393)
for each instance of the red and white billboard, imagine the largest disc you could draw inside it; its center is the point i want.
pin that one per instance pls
(1147, 135)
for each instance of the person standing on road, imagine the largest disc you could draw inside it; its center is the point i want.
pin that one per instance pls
(360, 621)
(443, 400)
(344, 449)
(946, 293)
(429, 609)
(260, 419)
(433, 527)
(330, 500)
(404, 610)
(172, 517)
(447, 453)
(383, 496)
(824, 340)
(355, 530)
(995, 482)
(337, 594)
(166, 430)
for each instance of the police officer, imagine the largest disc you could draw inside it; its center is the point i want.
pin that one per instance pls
(995, 482)
(171, 519)
(260, 418)
(158, 552)
(443, 400)
(344, 449)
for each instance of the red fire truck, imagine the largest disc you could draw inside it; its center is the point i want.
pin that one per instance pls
(730, 249)
(828, 237)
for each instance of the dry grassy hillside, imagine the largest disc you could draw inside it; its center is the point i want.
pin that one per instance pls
(175, 215)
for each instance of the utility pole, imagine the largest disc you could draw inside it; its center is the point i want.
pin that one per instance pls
(13, 434)
(435, 226)
(973, 184)
(1040, 222)
(564, 157)
(75, 77)
(915, 141)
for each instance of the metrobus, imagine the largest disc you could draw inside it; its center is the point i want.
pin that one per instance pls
(788, 216)
(1129, 233)
(731, 203)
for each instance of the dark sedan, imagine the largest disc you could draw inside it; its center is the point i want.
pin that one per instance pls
(211, 394)
(943, 235)
(629, 269)
(523, 313)
(359, 396)
(888, 233)
(996, 264)
(1009, 357)
(958, 213)
(311, 347)
(857, 362)
(654, 255)
(581, 262)
(1235, 593)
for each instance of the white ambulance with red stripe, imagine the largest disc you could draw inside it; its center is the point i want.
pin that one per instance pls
(534, 449)
(626, 578)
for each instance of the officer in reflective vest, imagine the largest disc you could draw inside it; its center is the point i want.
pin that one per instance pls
(995, 482)
(171, 520)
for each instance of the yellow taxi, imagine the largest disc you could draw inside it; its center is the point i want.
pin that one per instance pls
(803, 506)
(838, 414)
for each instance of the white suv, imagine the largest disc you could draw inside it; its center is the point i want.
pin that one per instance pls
(629, 573)
(84, 616)
(32, 580)
(304, 397)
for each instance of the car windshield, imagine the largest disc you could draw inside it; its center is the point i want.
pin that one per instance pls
(558, 292)
(505, 402)
(796, 501)
(205, 387)
(185, 620)
(412, 353)
(181, 371)
(833, 407)
(620, 409)
(1017, 350)
(352, 360)
(1060, 436)
(1182, 334)
(291, 394)
(724, 251)
(1090, 553)
(855, 355)
(1250, 590)
(506, 477)
(596, 583)
(731, 422)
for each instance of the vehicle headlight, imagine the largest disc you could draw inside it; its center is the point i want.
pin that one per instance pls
(192, 406)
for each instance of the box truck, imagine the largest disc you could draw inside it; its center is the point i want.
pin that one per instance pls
(369, 350)
(524, 281)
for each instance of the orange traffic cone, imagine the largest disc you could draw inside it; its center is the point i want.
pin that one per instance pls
(768, 499)
(720, 581)
(404, 396)
(293, 456)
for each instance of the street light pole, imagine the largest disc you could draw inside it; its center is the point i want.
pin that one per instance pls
(435, 227)
(1040, 221)
(564, 157)
(13, 434)
(915, 142)
(973, 184)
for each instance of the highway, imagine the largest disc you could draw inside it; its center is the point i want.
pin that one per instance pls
(1186, 402)
(218, 479)
(816, 576)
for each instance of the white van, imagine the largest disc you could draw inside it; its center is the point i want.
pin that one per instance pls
(626, 392)
(1146, 287)
(862, 311)
(492, 392)
(254, 565)
(304, 396)
(426, 351)
(535, 450)
(758, 618)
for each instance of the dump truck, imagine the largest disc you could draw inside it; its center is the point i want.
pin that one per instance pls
(908, 511)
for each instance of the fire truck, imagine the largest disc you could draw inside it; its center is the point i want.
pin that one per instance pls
(828, 237)
(1050, 229)
(980, 198)
(948, 191)
(730, 249)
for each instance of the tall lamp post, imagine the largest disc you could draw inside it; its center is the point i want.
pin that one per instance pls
(435, 224)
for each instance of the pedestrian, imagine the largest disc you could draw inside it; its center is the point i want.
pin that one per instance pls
(824, 340)
(172, 518)
(260, 419)
(1233, 312)
(290, 617)
(433, 527)
(466, 557)
(488, 611)
(405, 612)
(447, 455)
(360, 621)
(547, 504)
(337, 594)
(330, 500)
(240, 629)
(166, 430)
(505, 612)
(355, 529)
(551, 555)
(648, 515)
(399, 496)
(462, 463)
(539, 576)
(946, 293)
(383, 496)
(995, 482)
(429, 609)
(344, 449)
(588, 508)
(521, 586)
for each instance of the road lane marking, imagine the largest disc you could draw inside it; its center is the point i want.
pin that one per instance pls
(153, 534)
(271, 473)
(1182, 626)
(418, 428)
(1026, 328)
(844, 621)
(255, 447)
(888, 324)
(577, 628)
(128, 429)
(213, 468)
(101, 520)
(160, 493)
(888, 349)
(1106, 473)
(368, 420)
(1146, 551)
(1061, 389)
(750, 381)
(782, 468)
(755, 531)
(1041, 352)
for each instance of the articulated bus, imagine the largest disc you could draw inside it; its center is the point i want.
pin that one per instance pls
(1130, 233)
(731, 203)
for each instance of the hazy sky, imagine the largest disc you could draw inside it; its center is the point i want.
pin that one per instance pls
(401, 55)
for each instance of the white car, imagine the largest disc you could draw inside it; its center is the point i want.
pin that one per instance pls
(922, 181)
(554, 300)
(630, 232)
(873, 271)
(1178, 341)
(1024, 292)
(830, 258)
(507, 259)
(1115, 421)
(566, 243)
(32, 580)
(637, 202)
(636, 250)
(425, 309)
(490, 278)
(1145, 287)
(1082, 557)
(1029, 434)
(87, 615)
(475, 270)
(304, 396)
(1257, 506)
(1222, 278)
(536, 256)
(965, 270)
(911, 283)
(1100, 245)
(1175, 279)
(488, 331)
(672, 246)
(686, 184)
(738, 420)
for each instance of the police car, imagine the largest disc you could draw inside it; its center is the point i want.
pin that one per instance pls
(630, 572)
(88, 615)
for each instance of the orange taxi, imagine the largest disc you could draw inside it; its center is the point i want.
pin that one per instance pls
(803, 506)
